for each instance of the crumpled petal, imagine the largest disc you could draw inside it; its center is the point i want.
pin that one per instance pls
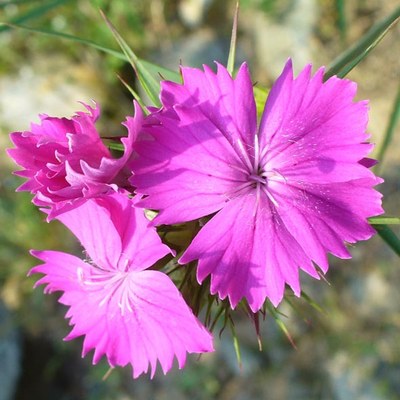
(65, 161)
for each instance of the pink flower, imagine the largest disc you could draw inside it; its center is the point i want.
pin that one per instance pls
(127, 312)
(65, 161)
(284, 194)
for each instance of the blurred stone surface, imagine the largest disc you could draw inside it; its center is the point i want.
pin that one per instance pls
(52, 86)
(274, 40)
(10, 354)
(200, 47)
(192, 12)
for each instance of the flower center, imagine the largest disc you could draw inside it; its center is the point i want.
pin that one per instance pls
(111, 286)
(258, 175)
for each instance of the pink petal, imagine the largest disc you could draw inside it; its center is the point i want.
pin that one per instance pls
(186, 159)
(228, 103)
(136, 318)
(248, 252)
(313, 131)
(57, 271)
(92, 225)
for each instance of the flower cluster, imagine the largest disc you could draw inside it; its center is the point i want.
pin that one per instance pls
(264, 196)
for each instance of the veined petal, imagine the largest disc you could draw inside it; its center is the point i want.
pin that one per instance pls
(140, 244)
(323, 217)
(227, 102)
(313, 128)
(186, 159)
(58, 274)
(91, 223)
(136, 317)
(248, 252)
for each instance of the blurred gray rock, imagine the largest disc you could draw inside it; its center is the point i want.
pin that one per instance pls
(275, 39)
(200, 47)
(10, 354)
(353, 378)
(192, 12)
(53, 86)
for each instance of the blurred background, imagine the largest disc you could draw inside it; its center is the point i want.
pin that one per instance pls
(350, 350)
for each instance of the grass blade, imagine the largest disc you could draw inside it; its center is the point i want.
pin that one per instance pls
(341, 20)
(134, 95)
(149, 84)
(236, 344)
(260, 95)
(232, 50)
(161, 72)
(384, 220)
(393, 121)
(312, 303)
(67, 36)
(389, 237)
(157, 71)
(343, 64)
(275, 315)
(36, 12)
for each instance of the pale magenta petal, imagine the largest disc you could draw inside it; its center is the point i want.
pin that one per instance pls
(312, 130)
(127, 313)
(57, 271)
(248, 252)
(228, 103)
(136, 318)
(186, 158)
(322, 217)
(92, 225)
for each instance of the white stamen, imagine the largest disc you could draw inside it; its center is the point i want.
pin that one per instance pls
(245, 155)
(269, 195)
(256, 153)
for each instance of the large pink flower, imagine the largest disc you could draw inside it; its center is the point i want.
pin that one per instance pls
(285, 193)
(127, 312)
(65, 161)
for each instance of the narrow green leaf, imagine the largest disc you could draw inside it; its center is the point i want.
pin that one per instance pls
(232, 50)
(312, 302)
(113, 145)
(351, 57)
(35, 12)
(157, 71)
(275, 315)
(160, 72)
(393, 121)
(389, 237)
(341, 19)
(221, 309)
(236, 343)
(384, 220)
(149, 84)
(260, 95)
(134, 94)
(66, 36)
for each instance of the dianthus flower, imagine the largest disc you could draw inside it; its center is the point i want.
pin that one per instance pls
(65, 161)
(127, 312)
(279, 196)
